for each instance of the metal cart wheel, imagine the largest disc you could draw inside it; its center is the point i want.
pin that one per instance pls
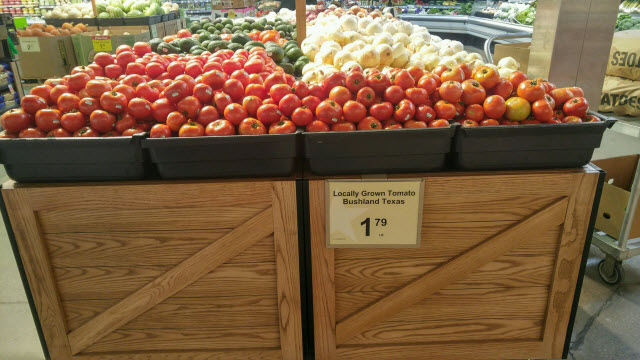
(611, 270)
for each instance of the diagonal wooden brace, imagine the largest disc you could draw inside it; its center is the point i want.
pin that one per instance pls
(174, 280)
(454, 270)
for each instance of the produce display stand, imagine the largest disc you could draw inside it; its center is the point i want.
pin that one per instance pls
(161, 270)
(497, 274)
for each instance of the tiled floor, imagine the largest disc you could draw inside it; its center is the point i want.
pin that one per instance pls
(606, 328)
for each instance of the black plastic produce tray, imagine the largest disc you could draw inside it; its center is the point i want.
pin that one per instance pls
(73, 159)
(143, 20)
(111, 21)
(378, 151)
(223, 156)
(165, 17)
(73, 21)
(528, 146)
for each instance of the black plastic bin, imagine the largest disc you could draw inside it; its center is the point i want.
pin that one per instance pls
(73, 159)
(111, 21)
(143, 20)
(539, 146)
(223, 156)
(378, 151)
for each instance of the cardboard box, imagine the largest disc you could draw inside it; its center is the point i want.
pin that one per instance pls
(615, 195)
(170, 27)
(237, 4)
(86, 45)
(518, 51)
(239, 13)
(46, 57)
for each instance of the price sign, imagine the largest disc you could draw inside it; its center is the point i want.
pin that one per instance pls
(374, 213)
(101, 43)
(29, 44)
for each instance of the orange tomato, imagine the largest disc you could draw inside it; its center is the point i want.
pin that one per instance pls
(517, 109)
(472, 92)
(450, 91)
(494, 106)
(531, 90)
(487, 77)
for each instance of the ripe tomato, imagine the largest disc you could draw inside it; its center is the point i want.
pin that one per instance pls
(466, 70)
(445, 110)
(56, 92)
(233, 88)
(257, 90)
(438, 70)
(354, 111)
(455, 74)
(472, 92)
(329, 112)
(207, 115)
(562, 95)
(154, 69)
(132, 131)
(135, 68)
(366, 96)
(221, 101)
(95, 88)
(31, 133)
(83, 69)
(370, 123)
(428, 83)
(140, 108)
(474, 112)
(340, 95)
(241, 76)
(86, 132)
(415, 72)
(72, 121)
(317, 91)
(123, 48)
(220, 128)
(379, 82)
(355, 81)
(32, 103)
(494, 106)
(88, 105)
(405, 110)
(147, 91)
(393, 94)
(542, 109)
(469, 123)
(161, 108)
(302, 116)
(191, 82)
(229, 66)
(103, 59)
(517, 109)
(311, 102)
(214, 78)
(415, 124)
(114, 102)
(577, 106)
(516, 77)
(177, 91)
(403, 79)
(42, 91)
(45, 119)
(268, 114)
(175, 120)
(251, 104)
(288, 104)
(126, 90)
(343, 126)
(67, 102)
(489, 122)
(391, 124)
(531, 90)
(425, 113)
(274, 79)
(450, 91)
(193, 69)
(418, 96)
(278, 91)
(282, 127)
(382, 111)
(124, 122)
(335, 79)
(590, 118)
(191, 129)
(189, 107)
(487, 77)
(254, 65)
(15, 120)
(78, 81)
(160, 131)
(251, 126)
(102, 121)
(59, 132)
(571, 119)
(317, 126)
(176, 68)
(503, 88)
(113, 71)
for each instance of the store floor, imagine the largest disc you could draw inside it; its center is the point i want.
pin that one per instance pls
(606, 325)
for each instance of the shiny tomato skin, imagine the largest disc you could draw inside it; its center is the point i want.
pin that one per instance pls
(455, 74)
(86, 131)
(31, 133)
(340, 95)
(445, 110)
(193, 69)
(189, 107)
(343, 126)
(302, 116)
(215, 79)
(415, 124)
(45, 119)
(235, 113)
(288, 104)
(103, 59)
(403, 79)
(16, 120)
(428, 83)
(78, 81)
(207, 115)
(503, 88)
(127, 90)
(317, 91)
(256, 90)
(418, 96)
(366, 96)
(59, 132)
(191, 129)
(378, 82)
(177, 91)
(494, 107)
(517, 109)
(140, 108)
(42, 91)
(221, 100)
(487, 77)
(425, 113)
(354, 111)
(233, 88)
(329, 112)
(278, 91)
(562, 95)
(73, 121)
(251, 104)
(176, 68)
(102, 121)
(220, 127)
(571, 119)
(469, 123)
(393, 94)
(516, 77)
(175, 120)
(282, 127)
(405, 110)
(154, 69)
(32, 103)
(439, 123)
(590, 118)
(160, 131)
(95, 88)
(577, 106)
(391, 125)
(369, 123)
(335, 79)
(113, 71)
(542, 110)
(268, 114)
(474, 112)
(416, 72)
(355, 81)
(161, 108)
(4, 134)
(251, 126)
(489, 122)
(114, 102)
(531, 90)
(132, 131)
(229, 66)
(450, 91)
(472, 92)
(203, 93)
(311, 102)
(56, 92)
(124, 122)
(317, 126)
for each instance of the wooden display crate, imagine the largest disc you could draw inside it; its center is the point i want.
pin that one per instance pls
(162, 270)
(494, 276)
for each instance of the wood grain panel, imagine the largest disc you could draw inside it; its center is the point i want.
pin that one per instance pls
(450, 330)
(188, 339)
(447, 240)
(143, 249)
(481, 208)
(104, 219)
(188, 313)
(117, 283)
(161, 194)
(254, 354)
(35, 260)
(384, 275)
(285, 234)
(322, 277)
(454, 304)
(456, 350)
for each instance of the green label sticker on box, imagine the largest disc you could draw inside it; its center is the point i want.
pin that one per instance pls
(101, 43)
(30, 44)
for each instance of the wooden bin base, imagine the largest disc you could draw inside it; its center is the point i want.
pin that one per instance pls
(493, 278)
(159, 270)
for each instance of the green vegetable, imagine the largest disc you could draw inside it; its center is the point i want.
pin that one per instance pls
(166, 48)
(187, 43)
(276, 53)
(155, 43)
(135, 13)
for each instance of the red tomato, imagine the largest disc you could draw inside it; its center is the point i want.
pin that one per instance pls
(86, 132)
(576, 106)
(311, 102)
(15, 120)
(221, 101)
(45, 119)
(418, 96)
(234, 88)
(124, 122)
(516, 77)
(140, 108)
(450, 91)
(391, 125)
(191, 82)
(469, 123)
(415, 72)
(455, 74)
(83, 69)
(415, 124)
(254, 65)
(317, 126)
(114, 102)
(176, 68)
(403, 79)
(340, 95)
(241, 76)
(175, 120)
(405, 110)
(123, 48)
(161, 108)
(177, 91)
(329, 112)
(147, 91)
(220, 128)
(184, 33)
(189, 107)
(31, 133)
(282, 127)
(102, 121)
(393, 94)
(440, 69)
(56, 92)
(95, 88)
(300, 89)
(494, 107)
(571, 119)
(103, 59)
(489, 122)
(542, 110)
(72, 121)
(332, 80)
(343, 126)
(154, 69)
(445, 110)
(274, 79)
(278, 91)
(288, 104)
(128, 91)
(355, 81)
(472, 92)
(135, 68)
(425, 113)
(42, 91)
(207, 115)
(250, 126)
(113, 71)
(354, 111)
(474, 112)
(67, 102)
(160, 131)
(366, 96)
(428, 83)
(59, 132)
(235, 113)
(191, 129)
(382, 111)
(32, 103)
(88, 105)
(268, 114)
(369, 123)
(486, 76)
(215, 79)
(193, 69)
(302, 116)
(257, 90)
(124, 58)
(590, 118)
(531, 90)
(317, 91)
(251, 104)
(439, 123)
(378, 82)
(562, 95)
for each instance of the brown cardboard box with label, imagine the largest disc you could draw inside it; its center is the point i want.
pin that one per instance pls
(233, 4)
(46, 56)
(518, 51)
(170, 27)
(86, 45)
(615, 195)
